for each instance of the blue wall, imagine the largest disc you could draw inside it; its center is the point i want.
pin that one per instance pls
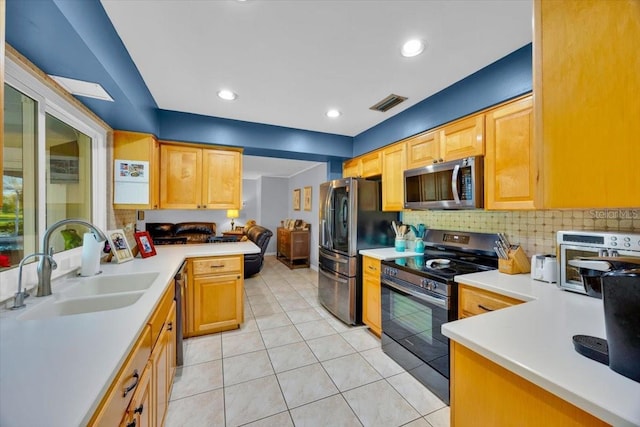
(506, 78)
(257, 139)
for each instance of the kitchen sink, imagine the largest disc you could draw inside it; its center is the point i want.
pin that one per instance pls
(110, 284)
(68, 307)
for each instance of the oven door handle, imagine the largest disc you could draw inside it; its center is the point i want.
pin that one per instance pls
(426, 298)
(332, 277)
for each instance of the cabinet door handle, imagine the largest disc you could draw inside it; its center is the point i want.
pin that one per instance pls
(139, 409)
(136, 377)
(170, 326)
(485, 308)
(132, 423)
(204, 206)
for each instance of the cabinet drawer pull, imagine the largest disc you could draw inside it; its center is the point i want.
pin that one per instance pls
(139, 409)
(372, 268)
(485, 308)
(136, 377)
(217, 266)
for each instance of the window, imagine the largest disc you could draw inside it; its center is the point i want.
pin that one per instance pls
(17, 218)
(52, 152)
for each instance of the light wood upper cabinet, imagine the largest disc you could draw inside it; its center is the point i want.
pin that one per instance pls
(351, 168)
(215, 294)
(393, 166)
(510, 168)
(192, 177)
(364, 166)
(586, 86)
(371, 303)
(222, 179)
(144, 147)
(423, 149)
(463, 138)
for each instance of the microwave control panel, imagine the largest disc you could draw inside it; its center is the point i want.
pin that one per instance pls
(605, 240)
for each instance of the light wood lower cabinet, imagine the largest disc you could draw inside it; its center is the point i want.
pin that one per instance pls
(215, 294)
(139, 411)
(486, 394)
(371, 309)
(161, 361)
(140, 392)
(473, 301)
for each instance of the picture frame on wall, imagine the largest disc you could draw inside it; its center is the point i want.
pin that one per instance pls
(307, 198)
(145, 244)
(119, 245)
(296, 199)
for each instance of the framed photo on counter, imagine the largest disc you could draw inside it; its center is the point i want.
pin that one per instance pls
(119, 245)
(145, 244)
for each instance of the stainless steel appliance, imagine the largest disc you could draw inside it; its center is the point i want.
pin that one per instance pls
(576, 245)
(180, 280)
(419, 295)
(350, 219)
(451, 185)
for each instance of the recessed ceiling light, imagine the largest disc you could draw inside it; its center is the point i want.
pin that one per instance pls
(82, 88)
(333, 113)
(412, 48)
(227, 95)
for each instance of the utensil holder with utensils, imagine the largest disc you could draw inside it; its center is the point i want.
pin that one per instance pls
(516, 263)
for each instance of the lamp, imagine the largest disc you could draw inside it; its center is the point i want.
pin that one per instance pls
(232, 213)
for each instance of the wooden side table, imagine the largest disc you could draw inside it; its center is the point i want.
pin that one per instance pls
(293, 247)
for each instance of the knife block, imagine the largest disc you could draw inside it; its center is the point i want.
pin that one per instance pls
(517, 263)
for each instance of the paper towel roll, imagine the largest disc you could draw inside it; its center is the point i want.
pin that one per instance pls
(91, 250)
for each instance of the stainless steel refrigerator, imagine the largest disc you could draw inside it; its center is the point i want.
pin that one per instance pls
(351, 219)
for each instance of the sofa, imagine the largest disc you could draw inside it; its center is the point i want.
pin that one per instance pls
(260, 236)
(167, 233)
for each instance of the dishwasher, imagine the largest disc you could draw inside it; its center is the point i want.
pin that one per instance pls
(180, 283)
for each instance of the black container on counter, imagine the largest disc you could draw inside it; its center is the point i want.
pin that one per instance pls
(621, 300)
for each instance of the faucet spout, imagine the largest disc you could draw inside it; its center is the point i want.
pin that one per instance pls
(45, 267)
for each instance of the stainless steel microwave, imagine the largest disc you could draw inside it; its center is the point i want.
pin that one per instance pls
(451, 185)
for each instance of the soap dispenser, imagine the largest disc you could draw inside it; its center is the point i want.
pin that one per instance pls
(91, 251)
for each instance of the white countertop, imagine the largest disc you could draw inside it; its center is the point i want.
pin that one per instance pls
(534, 340)
(55, 371)
(387, 253)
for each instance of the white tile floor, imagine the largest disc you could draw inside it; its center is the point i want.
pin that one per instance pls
(293, 364)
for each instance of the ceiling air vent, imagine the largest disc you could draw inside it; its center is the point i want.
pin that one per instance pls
(388, 103)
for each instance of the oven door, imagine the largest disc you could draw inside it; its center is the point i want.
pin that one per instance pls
(570, 278)
(411, 334)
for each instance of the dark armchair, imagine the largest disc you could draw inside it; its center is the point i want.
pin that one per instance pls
(253, 262)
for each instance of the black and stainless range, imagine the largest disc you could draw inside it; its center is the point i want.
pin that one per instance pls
(419, 295)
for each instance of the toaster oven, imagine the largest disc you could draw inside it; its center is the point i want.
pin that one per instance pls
(574, 245)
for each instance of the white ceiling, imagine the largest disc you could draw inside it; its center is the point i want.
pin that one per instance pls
(290, 61)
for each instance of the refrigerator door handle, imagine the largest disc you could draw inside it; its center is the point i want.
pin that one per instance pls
(329, 207)
(336, 258)
(333, 276)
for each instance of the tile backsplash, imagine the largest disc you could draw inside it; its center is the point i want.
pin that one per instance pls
(534, 230)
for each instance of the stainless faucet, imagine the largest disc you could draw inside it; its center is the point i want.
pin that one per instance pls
(45, 266)
(18, 300)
